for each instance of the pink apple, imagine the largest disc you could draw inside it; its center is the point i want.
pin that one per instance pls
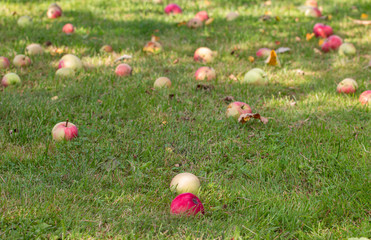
(10, 79)
(204, 54)
(187, 204)
(123, 70)
(332, 43)
(205, 73)
(21, 61)
(347, 86)
(263, 52)
(4, 62)
(313, 12)
(194, 23)
(202, 15)
(235, 109)
(68, 29)
(64, 131)
(162, 82)
(185, 183)
(34, 49)
(365, 97)
(173, 8)
(70, 61)
(106, 48)
(322, 30)
(54, 11)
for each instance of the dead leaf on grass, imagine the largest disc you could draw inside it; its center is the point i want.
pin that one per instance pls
(204, 87)
(248, 116)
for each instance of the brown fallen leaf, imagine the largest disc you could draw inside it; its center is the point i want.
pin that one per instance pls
(209, 21)
(233, 77)
(181, 24)
(228, 99)
(176, 61)
(247, 116)
(204, 87)
(317, 51)
(251, 59)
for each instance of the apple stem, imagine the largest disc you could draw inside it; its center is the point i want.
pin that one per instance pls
(66, 122)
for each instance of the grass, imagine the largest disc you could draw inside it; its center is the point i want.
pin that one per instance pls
(304, 175)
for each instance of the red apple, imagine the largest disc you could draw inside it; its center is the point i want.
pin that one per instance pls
(54, 11)
(173, 8)
(194, 23)
(68, 29)
(205, 73)
(347, 86)
(313, 12)
(365, 97)
(4, 62)
(204, 54)
(70, 61)
(10, 79)
(187, 204)
(322, 30)
(21, 61)
(202, 15)
(235, 109)
(162, 82)
(263, 52)
(332, 43)
(64, 131)
(106, 48)
(123, 70)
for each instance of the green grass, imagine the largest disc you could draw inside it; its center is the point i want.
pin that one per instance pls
(304, 175)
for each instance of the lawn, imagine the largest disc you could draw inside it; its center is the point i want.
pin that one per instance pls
(303, 175)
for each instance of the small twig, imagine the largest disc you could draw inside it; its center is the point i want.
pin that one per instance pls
(248, 229)
(362, 22)
(2, 179)
(66, 122)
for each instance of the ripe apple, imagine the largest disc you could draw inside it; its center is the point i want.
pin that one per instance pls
(263, 52)
(34, 49)
(65, 72)
(187, 204)
(331, 43)
(68, 29)
(348, 85)
(4, 62)
(21, 61)
(162, 82)
(70, 61)
(202, 15)
(232, 16)
(235, 109)
(313, 12)
(195, 23)
(54, 11)
(173, 8)
(255, 76)
(204, 54)
(24, 21)
(106, 48)
(64, 131)
(347, 49)
(123, 70)
(185, 182)
(311, 3)
(365, 97)
(205, 73)
(322, 30)
(10, 79)
(152, 47)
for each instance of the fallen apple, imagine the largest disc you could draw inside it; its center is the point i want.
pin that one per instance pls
(202, 15)
(255, 76)
(186, 204)
(4, 63)
(70, 61)
(194, 23)
(322, 30)
(64, 131)
(347, 86)
(65, 72)
(68, 29)
(331, 43)
(106, 48)
(347, 49)
(24, 21)
(204, 54)
(123, 70)
(236, 109)
(263, 52)
(34, 49)
(21, 61)
(185, 182)
(54, 11)
(365, 97)
(173, 8)
(311, 3)
(162, 82)
(152, 47)
(232, 16)
(10, 79)
(313, 12)
(205, 73)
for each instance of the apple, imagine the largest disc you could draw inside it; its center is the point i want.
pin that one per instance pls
(10, 79)
(185, 182)
(162, 82)
(65, 72)
(186, 204)
(348, 85)
(263, 52)
(34, 49)
(331, 43)
(4, 63)
(70, 61)
(24, 21)
(21, 61)
(347, 49)
(255, 76)
(68, 29)
(173, 8)
(205, 73)
(106, 48)
(194, 23)
(235, 109)
(313, 12)
(365, 97)
(123, 70)
(54, 11)
(64, 131)
(202, 15)
(322, 30)
(152, 47)
(204, 54)
(311, 3)
(232, 16)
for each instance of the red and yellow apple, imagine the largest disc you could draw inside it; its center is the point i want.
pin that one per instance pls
(4, 63)
(70, 61)
(263, 52)
(331, 43)
(365, 97)
(10, 79)
(68, 29)
(186, 204)
(347, 86)
(313, 12)
(106, 48)
(235, 109)
(162, 82)
(54, 11)
(21, 61)
(322, 30)
(173, 8)
(204, 54)
(64, 131)
(205, 73)
(202, 15)
(123, 70)
(185, 182)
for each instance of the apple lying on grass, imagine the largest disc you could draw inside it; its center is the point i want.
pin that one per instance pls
(64, 131)
(347, 86)
(204, 54)
(186, 204)
(54, 11)
(65, 72)
(313, 12)
(255, 76)
(185, 183)
(10, 79)
(263, 52)
(236, 109)
(331, 43)
(162, 82)
(123, 70)
(365, 97)
(173, 8)
(24, 21)
(106, 48)
(202, 15)
(347, 49)
(21, 61)
(195, 23)
(34, 49)
(4, 63)
(322, 30)
(68, 29)
(205, 73)
(70, 61)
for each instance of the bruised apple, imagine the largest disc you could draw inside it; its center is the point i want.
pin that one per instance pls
(54, 11)
(186, 204)
(21, 61)
(365, 97)
(205, 73)
(185, 182)
(347, 86)
(123, 70)
(204, 54)
(10, 79)
(70, 61)
(263, 52)
(194, 23)
(4, 62)
(235, 109)
(64, 131)
(162, 82)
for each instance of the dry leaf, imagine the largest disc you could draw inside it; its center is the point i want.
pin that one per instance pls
(317, 51)
(204, 87)
(273, 59)
(321, 41)
(283, 50)
(228, 99)
(278, 18)
(310, 36)
(54, 98)
(251, 59)
(277, 42)
(176, 61)
(164, 122)
(155, 38)
(247, 116)
(181, 24)
(123, 57)
(99, 101)
(233, 77)
(298, 39)
(364, 16)
(209, 21)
